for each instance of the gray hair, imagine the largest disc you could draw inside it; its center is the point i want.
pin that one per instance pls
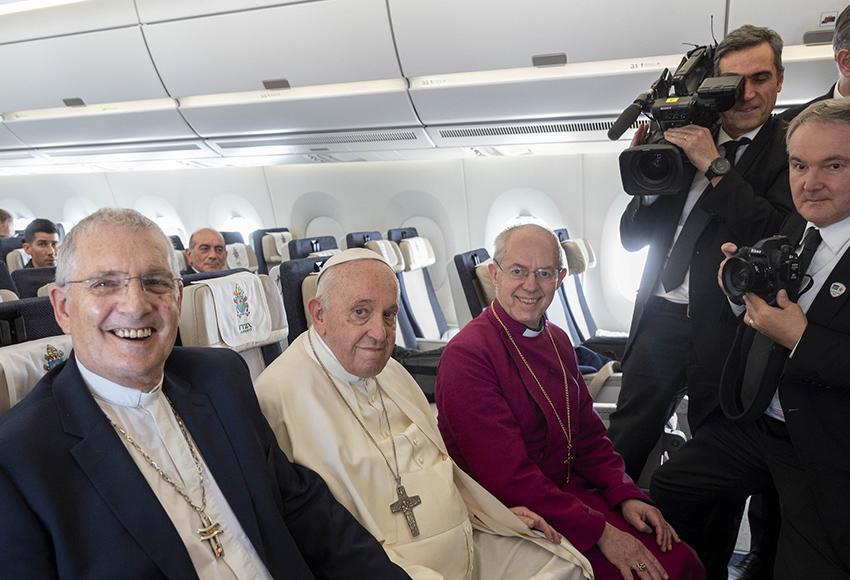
(833, 111)
(748, 36)
(127, 219)
(204, 229)
(504, 236)
(841, 37)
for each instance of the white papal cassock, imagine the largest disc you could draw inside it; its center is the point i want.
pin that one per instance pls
(315, 426)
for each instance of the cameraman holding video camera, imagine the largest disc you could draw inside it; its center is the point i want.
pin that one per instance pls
(786, 382)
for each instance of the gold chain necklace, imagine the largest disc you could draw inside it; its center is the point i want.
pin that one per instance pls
(404, 503)
(568, 429)
(210, 530)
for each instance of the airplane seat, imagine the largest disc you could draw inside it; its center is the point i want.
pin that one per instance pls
(359, 239)
(292, 275)
(405, 334)
(417, 290)
(303, 247)
(471, 291)
(272, 247)
(22, 366)
(29, 280)
(241, 255)
(242, 311)
(17, 260)
(580, 257)
(182, 264)
(324, 253)
(176, 242)
(6, 282)
(9, 245)
(27, 319)
(198, 276)
(232, 238)
(45, 290)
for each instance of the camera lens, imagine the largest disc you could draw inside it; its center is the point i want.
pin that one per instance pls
(738, 276)
(654, 166)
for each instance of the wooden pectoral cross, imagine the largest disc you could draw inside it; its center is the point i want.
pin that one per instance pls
(209, 533)
(405, 505)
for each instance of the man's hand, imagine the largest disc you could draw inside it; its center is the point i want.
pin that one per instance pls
(783, 324)
(536, 522)
(647, 518)
(728, 250)
(697, 143)
(639, 136)
(629, 555)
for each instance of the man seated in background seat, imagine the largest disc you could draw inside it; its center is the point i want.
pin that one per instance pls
(339, 405)
(40, 240)
(206, 252)
(134, 459)
(515, 413)
(7, 224)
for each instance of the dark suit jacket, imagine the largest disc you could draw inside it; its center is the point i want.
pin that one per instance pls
(814, 390)
(75, 505)
(747, 203)
(792, 112)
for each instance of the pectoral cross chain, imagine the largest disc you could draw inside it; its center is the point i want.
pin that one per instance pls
(405, 505)
(209, 533)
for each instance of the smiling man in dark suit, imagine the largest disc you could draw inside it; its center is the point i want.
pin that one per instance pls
(136, 459)
(786, 383)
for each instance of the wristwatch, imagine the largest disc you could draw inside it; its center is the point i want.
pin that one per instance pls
(719, 167)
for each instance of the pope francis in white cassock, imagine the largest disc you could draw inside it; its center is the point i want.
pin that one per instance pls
(339, 405)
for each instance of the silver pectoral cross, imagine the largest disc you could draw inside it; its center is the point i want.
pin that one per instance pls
(209, 533)
(405, 505)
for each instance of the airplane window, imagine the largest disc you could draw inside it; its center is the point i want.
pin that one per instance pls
(621, 269)
(242, 225)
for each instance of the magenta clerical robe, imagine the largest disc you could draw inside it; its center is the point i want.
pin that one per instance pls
(499, 428)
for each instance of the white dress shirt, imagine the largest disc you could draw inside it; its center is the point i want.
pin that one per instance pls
(149, 419)
(835, 240)
(679, 295)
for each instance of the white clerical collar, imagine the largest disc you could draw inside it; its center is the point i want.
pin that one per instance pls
(836, 235)
(531, 333)
(723, 136)
(328, 358)
(116, 394)
(836, 94)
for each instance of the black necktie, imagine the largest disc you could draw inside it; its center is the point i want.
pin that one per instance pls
(680, 256)
(766, 359)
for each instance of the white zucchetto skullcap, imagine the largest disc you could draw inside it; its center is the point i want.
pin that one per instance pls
(352, 255)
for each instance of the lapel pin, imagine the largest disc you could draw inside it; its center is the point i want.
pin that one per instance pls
(837, 289)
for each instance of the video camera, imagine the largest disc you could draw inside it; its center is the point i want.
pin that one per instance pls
(769, 266)
(659, 167)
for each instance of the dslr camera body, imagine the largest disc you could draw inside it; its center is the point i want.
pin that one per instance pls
(689, 96)
(767, 267)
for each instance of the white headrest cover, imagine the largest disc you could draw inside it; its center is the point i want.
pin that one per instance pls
(390, 251)
(23, 365)
(576, 260)
(589, 254)
(17, 259)
(181, 260)
(276, 245)
(7, 295)
(482, 273)
(237, 256)
(417, 252)
(240, 312)
(45, 290)
(323, 253)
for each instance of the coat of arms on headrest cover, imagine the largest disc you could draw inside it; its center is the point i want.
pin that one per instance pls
(52, 357)
(243, 309)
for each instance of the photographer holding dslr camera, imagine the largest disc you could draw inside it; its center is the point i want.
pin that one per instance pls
(786, 382)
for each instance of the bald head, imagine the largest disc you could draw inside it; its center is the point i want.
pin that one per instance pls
(528, 233)
(206, 251)
(354, 311)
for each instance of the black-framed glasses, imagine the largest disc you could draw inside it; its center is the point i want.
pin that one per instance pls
(156, 283)
(517, 272)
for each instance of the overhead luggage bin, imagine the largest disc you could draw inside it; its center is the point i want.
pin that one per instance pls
(790, 18)
(8, 140)
(370, 104)
(809, 71)
(96, 67)
(298, 45)
(159, 10)
(65, 19)
(446, 36)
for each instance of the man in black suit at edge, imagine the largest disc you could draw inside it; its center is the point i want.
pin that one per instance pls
(136, 459)
(680, 333)
(786, 382)
(841, 46)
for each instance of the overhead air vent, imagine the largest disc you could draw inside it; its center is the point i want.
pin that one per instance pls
(343, 141)
(171, 150)
(514, 133)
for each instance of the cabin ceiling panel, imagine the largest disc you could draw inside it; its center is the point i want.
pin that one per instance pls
(97, 67)
(447, 36)
(334, 112)
(790, 18)
(67, 19)
(158, 10)
(107, 128)
(313, 43)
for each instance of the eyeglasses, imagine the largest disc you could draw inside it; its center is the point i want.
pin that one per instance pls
(156, 283)
(521, 273)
